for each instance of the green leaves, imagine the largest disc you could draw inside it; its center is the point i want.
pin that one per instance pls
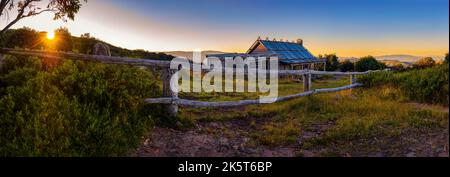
(74, 109)
(426, 85)
(368, 63)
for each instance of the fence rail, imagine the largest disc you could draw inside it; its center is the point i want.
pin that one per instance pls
(197, 104)
(83, 57)
(170, 99)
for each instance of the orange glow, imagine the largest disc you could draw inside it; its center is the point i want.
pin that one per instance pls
(50, 35)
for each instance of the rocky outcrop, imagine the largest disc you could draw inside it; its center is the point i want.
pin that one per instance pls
(101, 49)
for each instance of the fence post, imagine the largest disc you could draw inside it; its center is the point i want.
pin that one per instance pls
(166, 75)
(1, 60)
(306, 82)
(352, 79)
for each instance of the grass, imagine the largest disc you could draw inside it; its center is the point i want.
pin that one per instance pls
(80, 109)
(425, 85)
(358, 115)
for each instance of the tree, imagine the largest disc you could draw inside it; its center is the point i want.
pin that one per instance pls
(398, 67)
(346, 66)
(424, 63)
(85, 43)
(332, 62)
(62, 9)
(368, 63)
(63, 40)
(20, 38)
(446, 58)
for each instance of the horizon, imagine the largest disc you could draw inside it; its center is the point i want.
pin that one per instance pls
(350, 29)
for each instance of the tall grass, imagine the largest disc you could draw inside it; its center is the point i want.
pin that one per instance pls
(426, 86)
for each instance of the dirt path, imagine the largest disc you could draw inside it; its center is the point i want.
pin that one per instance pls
(211, 139)
(222, 139)
(234, 138)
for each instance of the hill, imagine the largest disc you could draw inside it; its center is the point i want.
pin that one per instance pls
(188, 54)
(27, 38)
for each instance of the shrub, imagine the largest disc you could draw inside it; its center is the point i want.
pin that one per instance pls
(398, 67)
(446, 58)
(332, 63)
(368, 63)
(347, 66)
(428, 85)
(423, 63)
(74, 109)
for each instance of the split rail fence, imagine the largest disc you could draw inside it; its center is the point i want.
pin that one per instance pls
(170, 99)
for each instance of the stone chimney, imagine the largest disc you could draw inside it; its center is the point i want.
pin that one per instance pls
(300, 41)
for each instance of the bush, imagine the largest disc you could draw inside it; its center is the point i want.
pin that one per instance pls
(74, 109)
(398, 67)
(332, 63)
(426, 86)
(368, 63)
(423, 63)
(347, 66)
(446, 58)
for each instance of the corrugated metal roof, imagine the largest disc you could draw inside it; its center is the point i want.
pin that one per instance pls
(289, 52)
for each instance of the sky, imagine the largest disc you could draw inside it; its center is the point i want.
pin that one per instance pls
(345, 27)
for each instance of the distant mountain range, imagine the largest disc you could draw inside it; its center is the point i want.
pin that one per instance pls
(188, 54)
(400, 58)
(389, 59)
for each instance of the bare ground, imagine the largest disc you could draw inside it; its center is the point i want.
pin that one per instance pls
(234, 138)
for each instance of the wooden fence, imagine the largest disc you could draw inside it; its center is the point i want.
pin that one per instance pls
(170, 99)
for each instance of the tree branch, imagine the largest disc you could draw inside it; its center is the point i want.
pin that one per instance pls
(19, 16)
(37, 13)
(3, 5)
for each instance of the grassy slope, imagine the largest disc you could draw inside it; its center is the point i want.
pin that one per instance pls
(359, 121)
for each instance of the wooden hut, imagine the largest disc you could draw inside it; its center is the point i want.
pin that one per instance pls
(291, 55)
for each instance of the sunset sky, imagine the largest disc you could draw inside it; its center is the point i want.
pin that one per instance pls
(347, 28)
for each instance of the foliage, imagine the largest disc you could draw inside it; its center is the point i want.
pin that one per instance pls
(74, 109)
(63, 39)
(368, 63)
(331, 62)
(84, 44)
(427, 85)
(446, 58)
(398, 67)
(62, 9)
(423, 63)
(21, 38)
(346, 66)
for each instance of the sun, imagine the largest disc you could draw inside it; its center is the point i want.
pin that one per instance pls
(50, 35)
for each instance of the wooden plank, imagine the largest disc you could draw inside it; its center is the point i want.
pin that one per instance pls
(1, 60)
(197, 104)
(339, 73)
(353, 79)
(325, 90)
(306, 82)
(170, 108)
(98, 58)
(144, 62)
